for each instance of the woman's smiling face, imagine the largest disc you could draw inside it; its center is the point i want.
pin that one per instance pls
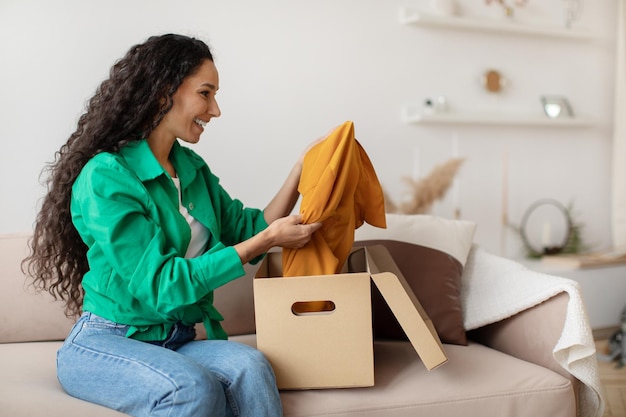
(193, 105)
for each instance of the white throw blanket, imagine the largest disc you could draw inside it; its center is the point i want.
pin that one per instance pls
(495, 288)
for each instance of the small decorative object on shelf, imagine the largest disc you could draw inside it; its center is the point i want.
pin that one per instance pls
(569, 241)
(441, 104)
(556, 107)
(573, 11)
(429, 106)
(493, 81)
(509, 9)
(437, 105)
(444, 7)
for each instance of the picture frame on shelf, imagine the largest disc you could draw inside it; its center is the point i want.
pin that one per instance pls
(556, 107)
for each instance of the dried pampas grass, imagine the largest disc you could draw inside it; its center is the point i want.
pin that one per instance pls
(427, 190)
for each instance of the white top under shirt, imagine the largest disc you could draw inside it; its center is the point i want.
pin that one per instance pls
(199, 233)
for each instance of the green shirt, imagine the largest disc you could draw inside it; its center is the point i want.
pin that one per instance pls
(126, 209)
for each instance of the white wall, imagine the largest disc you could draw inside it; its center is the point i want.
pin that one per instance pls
(291, 70)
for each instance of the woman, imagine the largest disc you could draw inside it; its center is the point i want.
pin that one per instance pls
(135, 232)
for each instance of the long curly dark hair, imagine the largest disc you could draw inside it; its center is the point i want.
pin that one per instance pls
(126, 107)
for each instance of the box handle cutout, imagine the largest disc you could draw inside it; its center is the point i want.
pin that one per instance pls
(308, 308)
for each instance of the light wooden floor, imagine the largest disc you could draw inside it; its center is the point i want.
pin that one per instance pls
(613, 383)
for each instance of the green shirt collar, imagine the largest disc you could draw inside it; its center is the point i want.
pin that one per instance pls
(142, 161)
(140, 158)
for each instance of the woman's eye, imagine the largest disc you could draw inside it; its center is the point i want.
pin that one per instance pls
(205, 93)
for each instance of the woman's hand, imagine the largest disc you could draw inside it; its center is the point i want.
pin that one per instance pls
(289, 232)
(286, 232)
(286, 198)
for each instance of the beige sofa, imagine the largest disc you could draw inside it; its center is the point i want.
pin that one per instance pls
(507, 369)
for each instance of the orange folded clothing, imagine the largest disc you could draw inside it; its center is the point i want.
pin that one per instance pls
(339, 188)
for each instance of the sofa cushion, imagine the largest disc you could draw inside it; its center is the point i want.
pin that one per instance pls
(431, 253)
(44, 317)
(475, 381)
(454, 237)
(239, 315)
(29, 385)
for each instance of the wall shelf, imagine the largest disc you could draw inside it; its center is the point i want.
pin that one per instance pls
(413, 17)
(492, 119)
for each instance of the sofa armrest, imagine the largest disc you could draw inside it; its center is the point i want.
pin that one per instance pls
(533, 316)
(530, 335)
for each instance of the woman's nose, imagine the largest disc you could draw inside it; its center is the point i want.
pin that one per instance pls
(214, 109)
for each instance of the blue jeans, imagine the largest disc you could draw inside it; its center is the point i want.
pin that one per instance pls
(178, 378)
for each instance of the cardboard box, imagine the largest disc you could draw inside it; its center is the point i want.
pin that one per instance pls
(316, 331)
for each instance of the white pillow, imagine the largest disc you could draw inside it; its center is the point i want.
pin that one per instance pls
(454, 237)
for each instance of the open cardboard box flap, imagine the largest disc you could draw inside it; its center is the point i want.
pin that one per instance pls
(404, 305)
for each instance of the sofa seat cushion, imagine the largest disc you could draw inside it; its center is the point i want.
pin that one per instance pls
(29, 385)
(476, 381)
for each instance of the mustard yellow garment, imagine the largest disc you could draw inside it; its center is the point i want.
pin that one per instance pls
(339, 188)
